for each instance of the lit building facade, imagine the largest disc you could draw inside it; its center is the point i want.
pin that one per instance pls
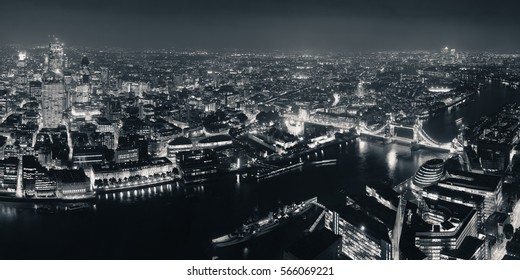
(213, 142)
(429, 173)
(86, 156)
(9, 174)
(35, 89)
(126, 154)
(53, 94)
(37, 182)
(56, 57)
(487, 186)
(197, 165)
(54, 100)
(129, 169)
(363, 238)
(72, 183)
(443, 226)
(471, 248)
(180, 144)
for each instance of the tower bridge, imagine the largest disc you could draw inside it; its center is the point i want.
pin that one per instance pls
(417, 136)
(391, 132)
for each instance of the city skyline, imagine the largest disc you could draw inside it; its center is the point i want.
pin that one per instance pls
(260, 130)
(331, 25)
(87, 130)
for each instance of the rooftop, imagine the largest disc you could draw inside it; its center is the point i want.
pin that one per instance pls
(70, 176)
(362, 221)
(87, 151)
(475, 181)
(456, 217)
(216, 138)
(454, 195)
(372, 207)
(466, 250)
(130, 165)
(103, 121)
(180, 141)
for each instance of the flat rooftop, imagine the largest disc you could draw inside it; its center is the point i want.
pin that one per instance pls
(180, 141)
(130, 165)
(475, 181)
(70, 176)
(453, 194)
(362, 221)
(456, 217)
(466, 250)
(372, 207)
(216, 138)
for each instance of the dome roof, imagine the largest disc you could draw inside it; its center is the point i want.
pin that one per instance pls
(429, 173)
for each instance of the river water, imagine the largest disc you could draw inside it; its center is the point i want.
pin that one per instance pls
(175, 223)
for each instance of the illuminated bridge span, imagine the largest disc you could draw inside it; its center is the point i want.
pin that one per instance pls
(416, 136)
(379, 132)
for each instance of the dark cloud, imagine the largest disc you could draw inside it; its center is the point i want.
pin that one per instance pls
(345, 24)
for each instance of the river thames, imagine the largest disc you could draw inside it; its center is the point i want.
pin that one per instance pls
(178, 223)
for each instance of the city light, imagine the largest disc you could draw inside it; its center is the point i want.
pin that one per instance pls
(406, 154)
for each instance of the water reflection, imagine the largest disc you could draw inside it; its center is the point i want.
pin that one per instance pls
(140, 194)
(490, 100)
(209, 210)
(7, 212)
(391, 160)
(156, 222)
(362, 145)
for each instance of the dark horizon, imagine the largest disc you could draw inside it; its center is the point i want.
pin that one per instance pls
(332, 25)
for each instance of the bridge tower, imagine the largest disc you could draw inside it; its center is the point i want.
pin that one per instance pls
(390, 125)
(416, 127)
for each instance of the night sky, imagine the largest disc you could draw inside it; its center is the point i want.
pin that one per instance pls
(352, 25)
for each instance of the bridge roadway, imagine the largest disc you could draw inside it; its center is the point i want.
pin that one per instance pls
(424, 140)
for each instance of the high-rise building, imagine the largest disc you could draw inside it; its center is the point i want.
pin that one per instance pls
(35, 89)
(443, 227)
(36, 180)
(54, 100)
(489, 187)
(54, 96)
(471, 248)
(363, 237)
(85, 70)
(9, 174)
(105, 75)
(81, 94)
(4, 104)
(453, 52)
(113, 113)
(56, 57)
(22, 59)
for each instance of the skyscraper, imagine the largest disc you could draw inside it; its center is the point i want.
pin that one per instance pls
(53, 100)
(54, 96)
(56, 60)
(85, 70)
(363, 237)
